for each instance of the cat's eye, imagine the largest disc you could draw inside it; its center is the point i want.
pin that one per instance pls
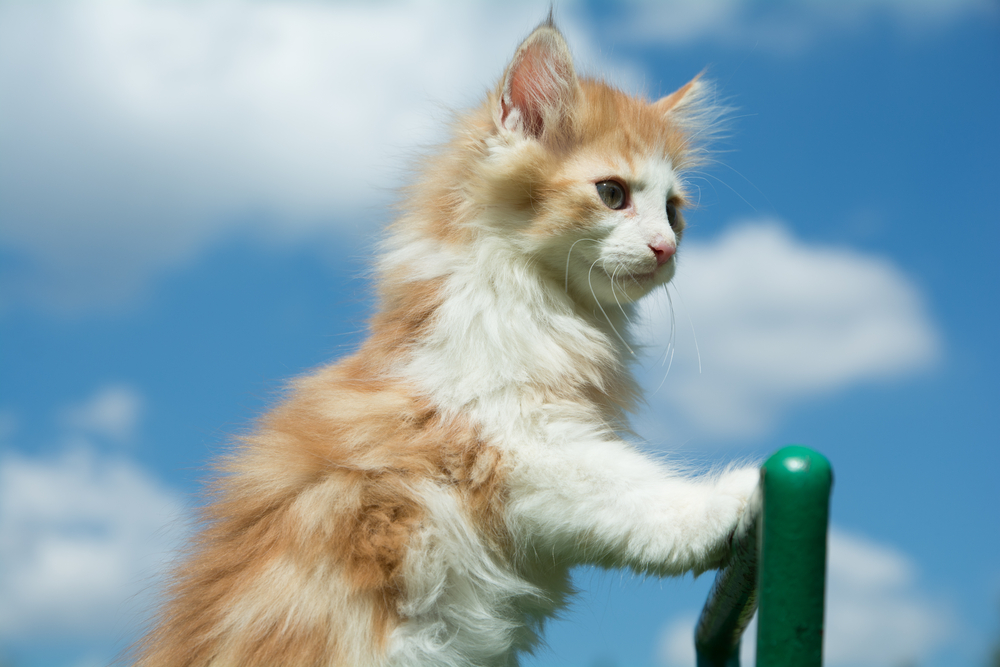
(671, 213)
(612, 194)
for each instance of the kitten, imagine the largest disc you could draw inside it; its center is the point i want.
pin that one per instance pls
(422, 501)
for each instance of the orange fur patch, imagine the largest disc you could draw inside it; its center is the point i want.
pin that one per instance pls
(318, 507)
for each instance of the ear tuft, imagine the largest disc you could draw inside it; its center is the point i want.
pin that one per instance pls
(694, 106)
(687, 96)
(539, 88)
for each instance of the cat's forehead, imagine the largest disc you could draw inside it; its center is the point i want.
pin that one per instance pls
(617, 123)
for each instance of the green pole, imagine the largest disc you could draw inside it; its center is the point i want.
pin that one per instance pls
(796, 484)
(732, 601)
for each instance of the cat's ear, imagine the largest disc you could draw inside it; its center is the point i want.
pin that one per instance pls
(688, 96)
(539, 88)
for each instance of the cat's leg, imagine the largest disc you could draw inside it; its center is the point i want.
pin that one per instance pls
(602, 501)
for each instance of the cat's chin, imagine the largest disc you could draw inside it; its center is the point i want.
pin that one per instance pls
(636, 284)
(629, 289)
(645, 278)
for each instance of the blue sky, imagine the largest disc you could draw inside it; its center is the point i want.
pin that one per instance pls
(189, 195)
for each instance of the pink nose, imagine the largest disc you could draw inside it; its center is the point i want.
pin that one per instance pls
(663, 250)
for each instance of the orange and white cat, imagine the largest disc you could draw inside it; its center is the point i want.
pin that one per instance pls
(422, 501)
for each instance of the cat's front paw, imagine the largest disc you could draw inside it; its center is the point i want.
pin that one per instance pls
(740, 483)
(739, 501)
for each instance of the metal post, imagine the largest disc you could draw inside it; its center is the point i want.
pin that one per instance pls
(733, 599)
(796, 484)
(779, 557)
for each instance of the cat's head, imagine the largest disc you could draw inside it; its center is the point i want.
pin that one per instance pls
(585, 178)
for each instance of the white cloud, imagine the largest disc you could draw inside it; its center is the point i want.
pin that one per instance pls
(112, 412)
(135, 134)
(677, 641)
(83, 537)
(876, 615)
(776, 322)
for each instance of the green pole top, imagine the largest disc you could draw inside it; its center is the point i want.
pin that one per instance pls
(798, 466)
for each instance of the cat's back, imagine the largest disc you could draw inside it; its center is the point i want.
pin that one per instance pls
(309, 546)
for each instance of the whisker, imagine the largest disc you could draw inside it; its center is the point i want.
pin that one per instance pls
(670, 363)
(672, 340)
(698, 198)
(693, 333)
(691, 178)
(668, 353)
(570, 254)
(598, 302)
(620, 306)
(738, 173)
(751, 183)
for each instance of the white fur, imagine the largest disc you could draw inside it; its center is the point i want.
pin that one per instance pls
(462, 607)
(523, 321)
(505, 335)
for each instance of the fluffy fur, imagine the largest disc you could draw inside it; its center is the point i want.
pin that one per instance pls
(422, 501)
